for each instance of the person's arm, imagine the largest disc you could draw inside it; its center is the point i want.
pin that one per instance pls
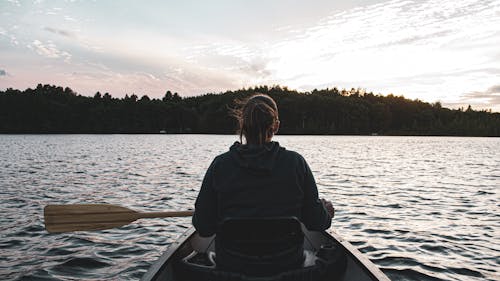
(205, 213)
(314, 214)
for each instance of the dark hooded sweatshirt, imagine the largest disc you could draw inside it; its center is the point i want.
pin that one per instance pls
(258, 181)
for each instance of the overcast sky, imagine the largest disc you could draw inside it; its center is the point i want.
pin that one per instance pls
(441, 50)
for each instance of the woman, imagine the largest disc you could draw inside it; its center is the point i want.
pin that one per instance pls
(259, 178)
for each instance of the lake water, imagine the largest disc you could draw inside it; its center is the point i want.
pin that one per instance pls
(421, 208)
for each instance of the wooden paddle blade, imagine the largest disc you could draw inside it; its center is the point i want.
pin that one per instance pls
(84, 217)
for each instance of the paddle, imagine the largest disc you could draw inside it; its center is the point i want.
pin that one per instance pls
(84, 217)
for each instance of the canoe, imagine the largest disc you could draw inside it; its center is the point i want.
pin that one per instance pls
(358, 267)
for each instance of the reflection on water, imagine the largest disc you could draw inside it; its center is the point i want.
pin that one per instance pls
(421, 208)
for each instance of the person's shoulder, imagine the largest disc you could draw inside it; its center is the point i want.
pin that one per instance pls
(225, 156)
(291, 154)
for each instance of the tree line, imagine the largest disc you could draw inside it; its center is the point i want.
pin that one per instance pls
(53, 109)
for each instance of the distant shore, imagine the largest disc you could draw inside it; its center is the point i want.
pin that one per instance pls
(208, 134)
(49, 109)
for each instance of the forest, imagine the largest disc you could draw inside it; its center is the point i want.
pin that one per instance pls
(54, 109)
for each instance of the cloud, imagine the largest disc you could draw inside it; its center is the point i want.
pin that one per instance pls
(257, 69)
(431, 50)
(482, 100)
(61, 32)
(491, 95)
(13, 40)
(414, 39)
(238, 64)
(495, 89)
(3, 72)
(68, 18)
(14, 2)
(229, 52)
(49, 50)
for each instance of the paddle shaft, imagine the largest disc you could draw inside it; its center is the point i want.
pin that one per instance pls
(142, 215)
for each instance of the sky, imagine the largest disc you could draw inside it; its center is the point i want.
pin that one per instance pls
(431, 50)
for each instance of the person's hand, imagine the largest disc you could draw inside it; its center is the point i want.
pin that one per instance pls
(329, 207)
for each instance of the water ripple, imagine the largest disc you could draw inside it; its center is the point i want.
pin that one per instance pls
(421, 208)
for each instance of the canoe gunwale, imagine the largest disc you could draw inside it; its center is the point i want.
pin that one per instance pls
(162, 261)
(359, 258)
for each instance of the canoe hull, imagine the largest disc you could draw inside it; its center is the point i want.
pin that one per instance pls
(358, 268)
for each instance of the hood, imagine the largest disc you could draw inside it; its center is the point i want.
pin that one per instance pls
(258, 159)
